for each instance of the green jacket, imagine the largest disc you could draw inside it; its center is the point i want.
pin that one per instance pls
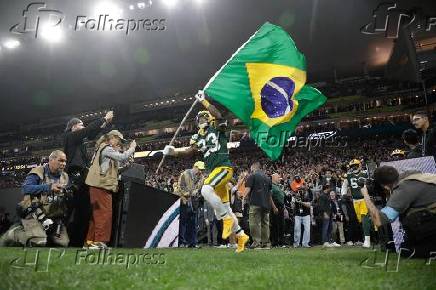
(278, 195)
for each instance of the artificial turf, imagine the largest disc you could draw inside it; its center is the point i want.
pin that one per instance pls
(211, 268)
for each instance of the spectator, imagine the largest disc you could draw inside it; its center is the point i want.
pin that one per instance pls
(326, 215)
(301, 202)
(337, 220)
(297, 183)
(411, 139)
(421, 121)
(352, 229)
(258, 187)
(278, 219)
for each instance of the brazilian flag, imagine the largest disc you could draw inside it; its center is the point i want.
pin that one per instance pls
(263, 84)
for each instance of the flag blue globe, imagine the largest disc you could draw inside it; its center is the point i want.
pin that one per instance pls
(276, 97)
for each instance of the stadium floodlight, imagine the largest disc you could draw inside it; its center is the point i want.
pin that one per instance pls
(51, 34)
(144, 4)
(11, 43)
(170, 3)
(198, 2)
(131, 7)
(108, 8)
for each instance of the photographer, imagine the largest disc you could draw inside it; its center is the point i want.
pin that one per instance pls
(43, 207)
(102, 179)
(190, 182)
(413, 200)
(77, 166)
(301, 204)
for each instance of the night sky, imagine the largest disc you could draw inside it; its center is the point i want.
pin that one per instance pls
(91, 69)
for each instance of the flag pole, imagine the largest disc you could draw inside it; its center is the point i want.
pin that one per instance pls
(177, 133)
(196, 101)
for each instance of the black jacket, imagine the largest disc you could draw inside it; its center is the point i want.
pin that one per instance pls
(74, 147)
(428, 141)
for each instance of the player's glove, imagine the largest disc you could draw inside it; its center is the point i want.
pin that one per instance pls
(200, 96)
(169, 150)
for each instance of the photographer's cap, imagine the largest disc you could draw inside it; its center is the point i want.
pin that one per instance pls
(117, 134)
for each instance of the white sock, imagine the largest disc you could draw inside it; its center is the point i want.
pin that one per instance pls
(368, 239)
(236, 228)
(215, 202)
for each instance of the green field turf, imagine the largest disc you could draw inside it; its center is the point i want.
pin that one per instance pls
(210, 268)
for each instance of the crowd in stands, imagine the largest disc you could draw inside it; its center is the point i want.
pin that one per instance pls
(308, 164)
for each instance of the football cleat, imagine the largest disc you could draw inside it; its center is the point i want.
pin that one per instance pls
(242, 240)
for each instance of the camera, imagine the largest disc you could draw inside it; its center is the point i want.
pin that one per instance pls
(375, 190)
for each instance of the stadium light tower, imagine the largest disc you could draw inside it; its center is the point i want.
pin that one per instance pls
(11, 43)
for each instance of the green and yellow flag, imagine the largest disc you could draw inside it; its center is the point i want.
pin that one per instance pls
(263, 84)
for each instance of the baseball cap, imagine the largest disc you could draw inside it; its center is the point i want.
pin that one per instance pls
(199, 165)
(117, 134)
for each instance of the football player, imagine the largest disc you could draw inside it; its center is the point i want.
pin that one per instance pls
(352, 179)
(211, 141)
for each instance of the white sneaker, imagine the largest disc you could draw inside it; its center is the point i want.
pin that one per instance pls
(334, 244)
(97, 246)
(327, 245)
(366, 244)
(233, 246)
(350, 243)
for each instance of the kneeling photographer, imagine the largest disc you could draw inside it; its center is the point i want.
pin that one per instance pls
(43, 208)
(412, 199)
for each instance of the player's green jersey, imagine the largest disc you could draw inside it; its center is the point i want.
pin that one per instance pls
(213, 144)
(353, 179)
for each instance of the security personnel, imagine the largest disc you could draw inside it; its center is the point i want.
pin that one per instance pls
(43, 207)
